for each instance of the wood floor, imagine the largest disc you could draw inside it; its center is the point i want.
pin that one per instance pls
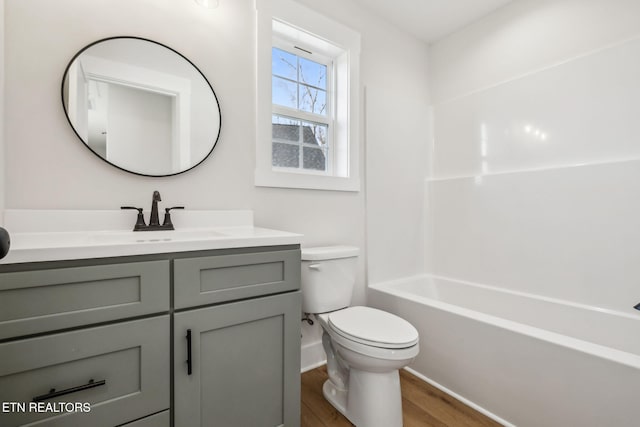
(422, 405)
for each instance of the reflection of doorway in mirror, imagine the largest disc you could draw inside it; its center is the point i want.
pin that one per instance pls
(134, 117)
(139, 129)
(77, 99)
(97, 104)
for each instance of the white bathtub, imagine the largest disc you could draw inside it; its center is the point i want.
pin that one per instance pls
(522, 359)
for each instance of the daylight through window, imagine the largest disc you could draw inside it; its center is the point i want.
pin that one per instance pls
(301, 122)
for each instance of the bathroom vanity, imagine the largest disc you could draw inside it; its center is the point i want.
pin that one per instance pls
(192, 329)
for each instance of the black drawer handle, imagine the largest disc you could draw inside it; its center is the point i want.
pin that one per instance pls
(189, 367)
(53, 393)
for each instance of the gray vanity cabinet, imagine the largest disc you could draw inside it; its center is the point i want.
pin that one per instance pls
(237, 363)
(100, 331)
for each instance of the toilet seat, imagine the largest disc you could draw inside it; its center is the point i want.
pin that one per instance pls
(372, 327)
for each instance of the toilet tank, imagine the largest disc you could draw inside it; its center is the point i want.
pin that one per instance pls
(328, 277)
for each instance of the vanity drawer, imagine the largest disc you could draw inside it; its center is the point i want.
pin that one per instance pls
(214, 279)
(46, 300)
(132, 358)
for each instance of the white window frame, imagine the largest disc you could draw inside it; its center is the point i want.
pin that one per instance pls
(290, 21)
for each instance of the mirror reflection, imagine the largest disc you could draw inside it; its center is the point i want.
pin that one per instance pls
(141, 106)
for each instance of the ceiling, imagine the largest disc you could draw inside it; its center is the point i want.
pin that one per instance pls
(430, 20)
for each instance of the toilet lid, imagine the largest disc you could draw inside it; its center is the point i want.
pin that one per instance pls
(373, 327)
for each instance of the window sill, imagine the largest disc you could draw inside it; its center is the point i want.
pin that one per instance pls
(276, 179)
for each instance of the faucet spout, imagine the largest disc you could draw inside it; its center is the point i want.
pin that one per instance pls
(154, 220)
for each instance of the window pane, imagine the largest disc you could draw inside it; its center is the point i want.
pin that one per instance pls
(312, 73)
(285, 128)
(314, 133)
(284, 92)
(285, 155)
(284, 64)
(300, 84)
(314, 158)
(313, 100)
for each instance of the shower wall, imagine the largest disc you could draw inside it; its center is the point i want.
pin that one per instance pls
(535, 178)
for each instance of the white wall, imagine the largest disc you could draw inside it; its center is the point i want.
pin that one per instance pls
(396, 135)
(41, 37)
(397, 102)
(536, 156)
(47, 167)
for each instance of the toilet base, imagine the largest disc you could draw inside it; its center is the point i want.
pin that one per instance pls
(372, 399)
(335, 396)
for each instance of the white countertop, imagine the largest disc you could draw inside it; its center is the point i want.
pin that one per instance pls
(80, 238)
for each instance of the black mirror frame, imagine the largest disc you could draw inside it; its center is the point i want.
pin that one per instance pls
(66, 113)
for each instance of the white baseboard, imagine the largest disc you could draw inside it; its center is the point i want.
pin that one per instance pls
(312, 356)
(462, 399)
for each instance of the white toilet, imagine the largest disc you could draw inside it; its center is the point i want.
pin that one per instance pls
(365, 347)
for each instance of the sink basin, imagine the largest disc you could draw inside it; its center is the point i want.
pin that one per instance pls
(127, 237)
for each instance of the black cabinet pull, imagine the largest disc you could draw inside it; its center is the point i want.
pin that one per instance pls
(189, 367)
(53, 393)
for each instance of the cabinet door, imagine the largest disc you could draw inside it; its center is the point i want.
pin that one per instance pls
(121, 370)
(245, 364)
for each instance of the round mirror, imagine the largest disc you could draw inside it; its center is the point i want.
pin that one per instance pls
(141, 106)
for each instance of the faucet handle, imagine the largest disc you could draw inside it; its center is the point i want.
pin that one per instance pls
(140, 224)
(131, 207)
(167, 217)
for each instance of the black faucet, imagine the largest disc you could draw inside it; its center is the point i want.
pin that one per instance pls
(154, 221)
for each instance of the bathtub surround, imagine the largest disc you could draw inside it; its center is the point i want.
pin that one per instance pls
(524, 37)
(536, 157)
(566, 233)
(533, 169)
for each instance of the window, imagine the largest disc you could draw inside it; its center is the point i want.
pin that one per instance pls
(301, 121)
(307, 112)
